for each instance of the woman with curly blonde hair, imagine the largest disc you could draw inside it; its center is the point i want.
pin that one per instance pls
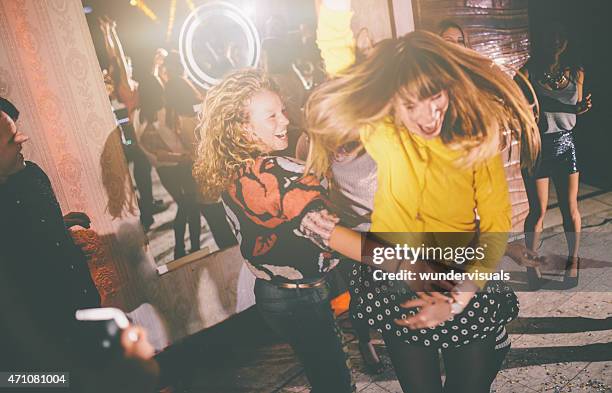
(268, 200)
(434, 117)
(224, 146)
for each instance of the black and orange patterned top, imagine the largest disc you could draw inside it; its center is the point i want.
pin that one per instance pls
(266, 206)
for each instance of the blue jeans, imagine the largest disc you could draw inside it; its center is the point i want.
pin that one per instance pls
(305, 319)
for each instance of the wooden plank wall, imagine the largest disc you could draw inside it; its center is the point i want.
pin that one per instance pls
(498, 29)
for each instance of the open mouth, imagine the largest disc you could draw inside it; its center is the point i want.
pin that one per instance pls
(432, 129)
(281, 135)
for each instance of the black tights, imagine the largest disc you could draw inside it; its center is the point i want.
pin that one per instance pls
(470, 368)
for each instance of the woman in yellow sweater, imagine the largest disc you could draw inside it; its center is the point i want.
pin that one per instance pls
(432, 116)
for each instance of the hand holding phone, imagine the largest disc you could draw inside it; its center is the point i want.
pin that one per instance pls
(100, 331)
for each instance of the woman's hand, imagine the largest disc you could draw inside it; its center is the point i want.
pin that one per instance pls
(433, 309)
(584, 106)
(110, 23)
(103, 26)
(106, 24)
(135, 343)
(318, 225)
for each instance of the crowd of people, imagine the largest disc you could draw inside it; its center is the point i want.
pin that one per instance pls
(297, 160)
(157, 127)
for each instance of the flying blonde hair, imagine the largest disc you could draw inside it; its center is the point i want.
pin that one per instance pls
(224, 146)
(484, 102)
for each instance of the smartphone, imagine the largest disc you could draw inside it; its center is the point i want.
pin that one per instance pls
(100, 332)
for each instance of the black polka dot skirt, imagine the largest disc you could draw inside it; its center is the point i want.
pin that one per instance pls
(378, 302)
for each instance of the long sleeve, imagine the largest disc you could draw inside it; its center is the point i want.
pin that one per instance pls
(495, 211)
(335, 39)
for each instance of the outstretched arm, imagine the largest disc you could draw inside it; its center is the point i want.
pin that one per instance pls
(322, 228)
(551, 105)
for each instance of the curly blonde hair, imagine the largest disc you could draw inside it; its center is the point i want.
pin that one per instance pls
(484, 102)
(225, 147)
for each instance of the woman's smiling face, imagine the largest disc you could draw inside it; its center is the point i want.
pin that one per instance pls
(267, 121)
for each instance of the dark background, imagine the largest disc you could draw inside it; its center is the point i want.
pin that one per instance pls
(588, 25)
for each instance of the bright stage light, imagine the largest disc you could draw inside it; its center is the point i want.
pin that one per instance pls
(215, 38)
(249, 9)
(144, 8)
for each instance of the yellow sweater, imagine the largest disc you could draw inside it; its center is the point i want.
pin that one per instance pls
(420, 186)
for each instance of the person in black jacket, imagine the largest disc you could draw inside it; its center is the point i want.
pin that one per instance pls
(44, 279)
(46, 273)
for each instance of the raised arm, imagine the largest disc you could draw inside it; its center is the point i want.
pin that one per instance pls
(108, 42)
(334, 35)
(116, 54)
(125, 79)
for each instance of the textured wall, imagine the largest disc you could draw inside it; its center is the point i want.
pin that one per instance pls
(48, 67)
(498, 29)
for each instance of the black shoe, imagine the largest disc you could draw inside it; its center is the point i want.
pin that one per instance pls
(534, 278)
(370, 358)
(179, 252)
(569, 280)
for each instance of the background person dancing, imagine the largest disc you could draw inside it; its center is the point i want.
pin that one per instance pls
(173, 161)
(559, 88)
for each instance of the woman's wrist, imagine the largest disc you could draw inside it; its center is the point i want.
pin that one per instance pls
(456, 307)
